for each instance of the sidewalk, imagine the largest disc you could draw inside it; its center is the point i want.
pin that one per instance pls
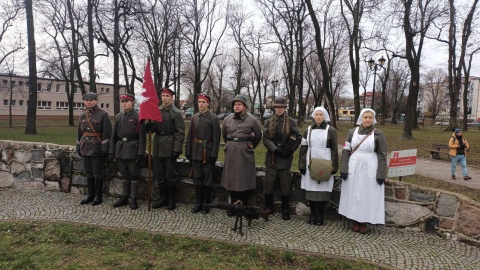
(385, 246)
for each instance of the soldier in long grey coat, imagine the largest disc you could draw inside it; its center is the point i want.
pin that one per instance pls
(281, 137)
(241, 133)
(93, 142)
(167, 147)
(127, 146)
(203, 141)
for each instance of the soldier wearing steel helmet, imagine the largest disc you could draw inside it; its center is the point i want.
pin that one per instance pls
(241, 133)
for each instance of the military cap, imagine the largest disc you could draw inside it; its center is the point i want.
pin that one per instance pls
(204, 97)
(127, 96)
(280, 102)
(168, 91)
(240, 98)
(89, 95)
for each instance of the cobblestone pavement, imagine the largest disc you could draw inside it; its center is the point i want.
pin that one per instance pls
(397, 248)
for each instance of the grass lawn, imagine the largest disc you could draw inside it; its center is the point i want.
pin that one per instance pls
(44, 245)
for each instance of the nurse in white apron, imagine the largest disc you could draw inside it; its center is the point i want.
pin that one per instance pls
(363, 170)
(319, 141)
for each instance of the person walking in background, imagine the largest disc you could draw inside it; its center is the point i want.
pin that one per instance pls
(319, 141)
(241, 133)
(363, 170)
(459, 147)
(201, 149)
(167, 147)
(93, 137)
(127, 146)
(281, 137)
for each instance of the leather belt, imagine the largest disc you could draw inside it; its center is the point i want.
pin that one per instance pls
(195, 140)
(91, 134)
(238, 139)
(128, 140)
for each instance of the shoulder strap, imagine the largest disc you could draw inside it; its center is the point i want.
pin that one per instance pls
(88, 121)
(358, 145)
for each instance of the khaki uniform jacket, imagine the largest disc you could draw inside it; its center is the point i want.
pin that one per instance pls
(94, 145)
(239, 171)
(331, 143)
(280, 139)
(170, 133)
(127, 142)
(204, 132)
(380, 149)
(453, 144)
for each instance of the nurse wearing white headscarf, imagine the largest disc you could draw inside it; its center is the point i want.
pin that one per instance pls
(363, 168)
(319, 141)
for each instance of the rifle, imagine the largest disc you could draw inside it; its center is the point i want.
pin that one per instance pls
(240, 211)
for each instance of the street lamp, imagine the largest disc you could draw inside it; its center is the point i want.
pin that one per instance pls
(275, 84)
(374, 67)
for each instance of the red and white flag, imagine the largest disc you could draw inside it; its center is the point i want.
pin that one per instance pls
(148, 99)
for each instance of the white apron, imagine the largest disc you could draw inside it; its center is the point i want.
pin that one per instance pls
(362, 198)
(318, 150)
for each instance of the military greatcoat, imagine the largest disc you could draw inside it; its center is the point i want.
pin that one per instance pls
(94, 132)
(127, 142)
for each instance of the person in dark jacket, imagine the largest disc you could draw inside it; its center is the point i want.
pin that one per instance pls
(203, 141)
(167, 147)
(127, 146)
(319, 141)
(242, 133)
(93, 142)
(281, 137)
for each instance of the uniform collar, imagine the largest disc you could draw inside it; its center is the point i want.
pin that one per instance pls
(242, 116)
(276, 117)
(166, 107)
(368, 129)
(129, 112)
(203, 114)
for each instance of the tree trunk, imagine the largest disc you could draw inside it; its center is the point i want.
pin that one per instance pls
(31, 126)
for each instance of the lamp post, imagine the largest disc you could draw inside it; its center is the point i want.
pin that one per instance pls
(275, 84)
(374, 67)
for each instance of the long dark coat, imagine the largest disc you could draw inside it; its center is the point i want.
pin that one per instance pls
(90, 146)
(170, 133)
(127, 142)
(239, 172)
(205, 127)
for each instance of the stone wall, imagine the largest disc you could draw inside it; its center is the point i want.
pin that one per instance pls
(51, 167)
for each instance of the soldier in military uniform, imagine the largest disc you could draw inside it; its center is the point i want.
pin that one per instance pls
(281, 137)
(241, 133)
(93, 142)
(203, 141)
(167, 147)
(127, 146)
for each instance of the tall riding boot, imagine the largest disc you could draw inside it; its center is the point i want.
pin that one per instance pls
(133, 195)
(171, 197)
(285, 208)
(207, 193)
(163, 201)
(269, 203)
(90, 191)
(98, 191)
(312, 220)
(198, 200)
(124, 197)
(320, 207)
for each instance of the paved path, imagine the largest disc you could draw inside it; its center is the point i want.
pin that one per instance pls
(396, 248)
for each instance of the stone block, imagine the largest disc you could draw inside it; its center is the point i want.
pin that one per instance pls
(401, 193)
(66, 166)
(31, 185)
(37, 155)
(79, 180)
(52, 186)
(4, 166)
(78, 165)
(302, 209)
(115, 187)
(36, 165)
(446, 223)
(52, 169)
(65, 184)
(405, 214)
(389, 192)
(38, 175)
(22, 156)
(183, 169)
(17, 167)
(418, 196)
(446, 205)
(59, 153)
(6, 179)
(77, 190)
(468, 220)
(24, 176)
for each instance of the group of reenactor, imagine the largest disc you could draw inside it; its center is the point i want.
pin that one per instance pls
(241, 132)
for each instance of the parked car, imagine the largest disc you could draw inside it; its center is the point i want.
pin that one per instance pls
(443, 123)
(267, 115)
(475, 124)
(189, 112)
(222, 116)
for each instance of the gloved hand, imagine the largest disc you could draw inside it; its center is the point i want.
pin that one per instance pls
(344, 176)
(139, 158)
(175, 155)
(212, 160)
(110, 158)
(279, 151)
(287, 153)
(463, 146)
(189, 157)
(149, 127)
(380, 181)
(303, 171)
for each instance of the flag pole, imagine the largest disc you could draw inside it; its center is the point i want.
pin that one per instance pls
(149, 192)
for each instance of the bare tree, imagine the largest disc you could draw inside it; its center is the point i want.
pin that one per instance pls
(31, 126)
(435, 84)
(397, 87)
(9, 12)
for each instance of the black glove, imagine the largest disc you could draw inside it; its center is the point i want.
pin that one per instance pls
(110, 158)
(303, 171)
(212, 160)
(380, 181)
(279, 151)
(139, 158)
(344, 176)
(175, 155)
(189, 157)
(463, 146)
(287, 153)
(149, 127)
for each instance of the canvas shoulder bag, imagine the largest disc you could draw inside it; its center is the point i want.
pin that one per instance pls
(320, 169)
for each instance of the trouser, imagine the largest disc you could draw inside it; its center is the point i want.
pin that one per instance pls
(94, 170)
(165, 175)
(129, 170)
(462, 159)
(202, 173)
(271, 175)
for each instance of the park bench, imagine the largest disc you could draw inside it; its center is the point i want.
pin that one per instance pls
(436, 149)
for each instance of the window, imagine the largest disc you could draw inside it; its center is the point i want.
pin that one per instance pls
(20, 102)
(57, 88)
(107, 105)
(4, 83)
(78, 106)
(44, 105)
(101, 105)
(102, 90)
(5, 102)
(62, 105)
(49, 87)
(39, 87)
(28, 84)
(13, 102)
(107, 90)
(12, 83)
(20, 84)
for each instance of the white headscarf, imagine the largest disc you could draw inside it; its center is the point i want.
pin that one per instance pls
(359, 120)
(325, 113)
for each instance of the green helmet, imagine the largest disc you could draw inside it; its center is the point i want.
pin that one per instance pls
(240, 98)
